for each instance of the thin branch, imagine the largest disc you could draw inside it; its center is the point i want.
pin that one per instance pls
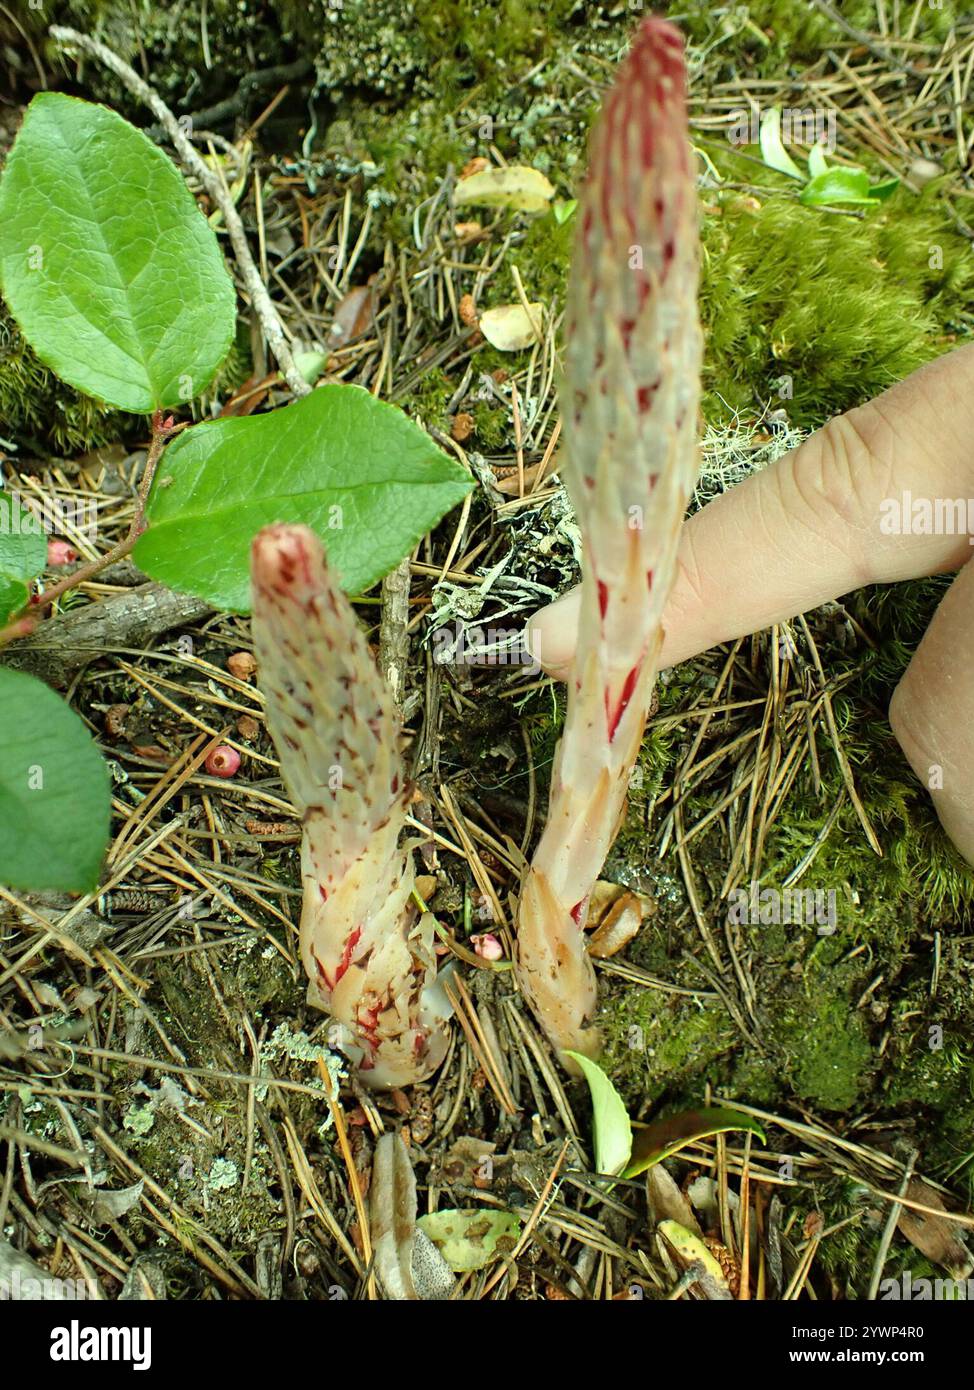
(25, 622)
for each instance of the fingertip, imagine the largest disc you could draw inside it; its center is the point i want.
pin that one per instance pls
(551, 633)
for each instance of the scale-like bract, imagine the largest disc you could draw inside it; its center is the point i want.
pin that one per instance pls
(630, 403)
(366, 947)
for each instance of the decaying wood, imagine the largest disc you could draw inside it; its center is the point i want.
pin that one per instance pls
(63, 646)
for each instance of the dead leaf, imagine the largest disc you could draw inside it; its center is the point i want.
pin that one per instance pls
(461, 426)
(352, 317)
(617, 928)
(249, 396)
(517, 186)
(407, 1262)
(469, 1239)
(534, 474)
(934, 1236)
(666, 1201)
(691, 1255)
(512, 327)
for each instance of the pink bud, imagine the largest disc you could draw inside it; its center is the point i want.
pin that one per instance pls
(60, 553)
(487, 946)
(222, 761)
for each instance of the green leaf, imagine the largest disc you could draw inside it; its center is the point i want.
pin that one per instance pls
(564, 210)
(773, 151)
(106, 262)
(838, 186)
(55, 800)
(467, 1240)
(817, 163)
(884, 190)
(23, 554)
(610, 1120)
(311, 365)
(354, 469)
(658, 1140)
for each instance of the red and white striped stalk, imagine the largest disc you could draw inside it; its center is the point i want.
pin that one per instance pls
(366, 947)
(629, 401)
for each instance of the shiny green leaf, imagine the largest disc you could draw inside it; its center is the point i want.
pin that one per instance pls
(106, 262)
(838, 186)
(610, 1120)
(356, 470)
(658, 1140)
(55, 801)
(23, 554)
(773, 151)
(884, 190)
(817, 163)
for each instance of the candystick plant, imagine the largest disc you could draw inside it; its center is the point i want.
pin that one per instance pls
(630, 397)
(365, 942)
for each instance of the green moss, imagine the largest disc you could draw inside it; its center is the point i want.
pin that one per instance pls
(197, 52)
(492, 425)
(930, 1059)
(42, 415)
(658, 1043)
(819, 1036)
(543, 257)
(39, 412)
(768, 38)
(394, 47)
(817, 313)
(427, 403)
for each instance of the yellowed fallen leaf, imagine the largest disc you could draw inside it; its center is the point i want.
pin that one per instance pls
(510, 327)
(518, 186)
(689, 1252)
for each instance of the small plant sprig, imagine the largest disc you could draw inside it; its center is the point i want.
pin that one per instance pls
(630, 399)
(366, 943)
(119, 285)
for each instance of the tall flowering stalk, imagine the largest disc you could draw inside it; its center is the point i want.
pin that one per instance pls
(366, 946)
(629, 401)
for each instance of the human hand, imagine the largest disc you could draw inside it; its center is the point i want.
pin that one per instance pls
(808, 529)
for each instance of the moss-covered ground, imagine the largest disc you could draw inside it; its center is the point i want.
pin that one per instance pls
(807, 312)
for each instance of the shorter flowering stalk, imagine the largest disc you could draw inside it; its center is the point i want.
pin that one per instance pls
(366, 945)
